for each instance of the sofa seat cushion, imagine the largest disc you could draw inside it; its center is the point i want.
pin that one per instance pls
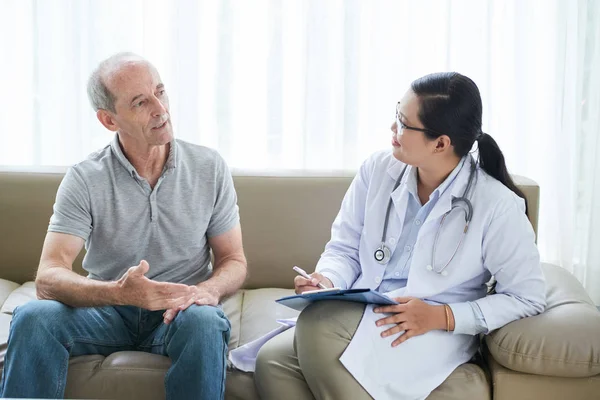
(260, 312)
(4, 328)
(563, 341)
(121, 375)
(19, 296)
(6, 288)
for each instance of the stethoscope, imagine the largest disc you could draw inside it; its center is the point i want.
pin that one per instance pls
(383, 254)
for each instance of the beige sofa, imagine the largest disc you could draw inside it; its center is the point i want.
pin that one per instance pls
(286, 221)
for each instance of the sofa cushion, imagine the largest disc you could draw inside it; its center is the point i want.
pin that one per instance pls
(260, 312)
(233, 310)
(512, 385)
(19, 296)
(563, 341)
(4, 327)
(6, 288)
(131, 375)
(121, 375)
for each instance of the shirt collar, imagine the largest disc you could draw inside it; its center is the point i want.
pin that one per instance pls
(118, 152)
(450, 179)
(172, 158)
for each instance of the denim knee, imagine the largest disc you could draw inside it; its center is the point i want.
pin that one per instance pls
(36, 315)
(206, 320)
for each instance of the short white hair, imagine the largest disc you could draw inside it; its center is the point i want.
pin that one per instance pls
(100, 97)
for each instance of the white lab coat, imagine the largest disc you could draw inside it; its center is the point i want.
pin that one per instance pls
(500, 242)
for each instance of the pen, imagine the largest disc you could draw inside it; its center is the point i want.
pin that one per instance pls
(303, 273)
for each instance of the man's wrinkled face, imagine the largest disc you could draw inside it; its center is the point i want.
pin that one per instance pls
(141, 103)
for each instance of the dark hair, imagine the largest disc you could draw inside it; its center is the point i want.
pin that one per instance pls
(451, 103)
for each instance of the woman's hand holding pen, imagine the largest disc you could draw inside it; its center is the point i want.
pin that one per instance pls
(302, 284)
(414, 317)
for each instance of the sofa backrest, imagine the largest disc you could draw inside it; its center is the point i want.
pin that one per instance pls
(286, 221)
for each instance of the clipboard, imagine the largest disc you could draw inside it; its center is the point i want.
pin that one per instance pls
(367, 296)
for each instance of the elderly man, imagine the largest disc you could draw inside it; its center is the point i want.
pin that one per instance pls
(149, 208)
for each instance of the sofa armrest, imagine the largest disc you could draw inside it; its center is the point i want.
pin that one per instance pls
(562, 341)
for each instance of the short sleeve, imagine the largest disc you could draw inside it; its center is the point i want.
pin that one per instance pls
(226, 212)
(72, 210)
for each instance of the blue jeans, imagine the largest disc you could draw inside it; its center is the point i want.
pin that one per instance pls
(45, 333)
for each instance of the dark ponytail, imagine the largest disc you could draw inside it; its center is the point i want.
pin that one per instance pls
(492, 161)
(451, 103)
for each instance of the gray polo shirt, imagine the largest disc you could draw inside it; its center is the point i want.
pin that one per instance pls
(123, 220)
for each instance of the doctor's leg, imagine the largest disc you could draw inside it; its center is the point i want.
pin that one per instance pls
(323, 332)
(278, 374)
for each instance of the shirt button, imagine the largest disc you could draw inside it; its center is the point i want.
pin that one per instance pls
(429, 268)
(392, 241)
(407, 248)
(417, 222)
(397, 274)
(377, 279)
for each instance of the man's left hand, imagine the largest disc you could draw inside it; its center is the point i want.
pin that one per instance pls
(202, 295)
(413, 316)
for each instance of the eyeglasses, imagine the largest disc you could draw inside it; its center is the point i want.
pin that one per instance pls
(403, 126)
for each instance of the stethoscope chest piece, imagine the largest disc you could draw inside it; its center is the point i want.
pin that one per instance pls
(382, 254)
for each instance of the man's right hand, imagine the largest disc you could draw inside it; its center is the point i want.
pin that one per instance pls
(302, 284)
(137, 290)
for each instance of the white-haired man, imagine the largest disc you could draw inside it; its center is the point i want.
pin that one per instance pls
(149, 208)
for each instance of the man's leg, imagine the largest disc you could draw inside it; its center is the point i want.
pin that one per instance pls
(45, 333)
(196, 341)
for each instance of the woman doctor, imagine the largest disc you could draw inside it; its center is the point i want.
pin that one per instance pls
(428, 225)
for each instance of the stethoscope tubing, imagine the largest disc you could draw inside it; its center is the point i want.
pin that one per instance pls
(383, 254)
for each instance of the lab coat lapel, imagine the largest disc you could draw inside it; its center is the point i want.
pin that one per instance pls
(400, 195)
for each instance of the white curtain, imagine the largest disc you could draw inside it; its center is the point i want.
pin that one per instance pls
(583, 111)
(307, 86)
